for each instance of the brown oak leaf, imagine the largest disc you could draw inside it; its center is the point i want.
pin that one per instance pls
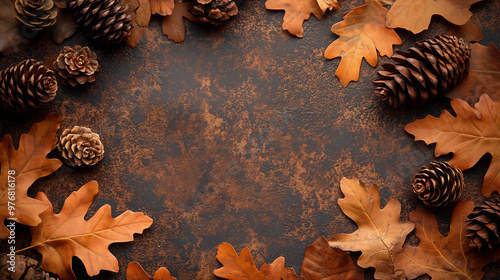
(484, 75)
(469, 32)
(444, 258)
(380, 235)
(60, 237)
(64, 27)
(328, 5)
(12, 37)
(297, 11)
(362, 33)
(324, 262)
(29, 163)
(173, 25)
(141, 16)
(471, 134)
(136, 272)
(162, 7)
(415, 15)
(242, 267)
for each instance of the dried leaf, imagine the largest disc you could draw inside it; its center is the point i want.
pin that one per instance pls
(484, 75)
(380, 234)
(11, 32)
(443, 258)
(136, 272)
(415, 15)
(470, 135)
(323, 262)
(173, 25)
(162, 7)
(141, 16)
(242, 267)
(469, 31)
(29, 163)
(296, 12)
(60, 237)
(64, 27)
(386, 2)
(328, 5)
(362, 33)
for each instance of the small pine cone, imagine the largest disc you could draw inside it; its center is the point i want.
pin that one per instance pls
(438, 184)
(25, 268)
(213, 12)
(106, 21)
(36, 14)
(76, 65)
(26, 85)
(430, 68)
(80, 146)
(483, 226)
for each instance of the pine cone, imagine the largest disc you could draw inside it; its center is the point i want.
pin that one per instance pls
(106, 21)
(438, 184)
(430, 68)
(213, 12)
(483, 225)
(26, 85)
(26, 268)
(80, 146)
(76, 65)
(36, 14)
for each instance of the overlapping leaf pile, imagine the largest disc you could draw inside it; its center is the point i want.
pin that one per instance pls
(60, 237)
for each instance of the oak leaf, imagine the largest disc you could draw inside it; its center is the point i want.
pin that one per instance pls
(328, 5)
(469, 32)
(162, 7)
(64, 27)
(324, 262)
(173, 25)
(11, 30)
(471, 134)
(380, 233)
(444, 257)
(483, 77)
(29, 163)
(240, 267)
(136, 272)
(415, 15)
(362, 33)
(60, 237)
(297, 11)
(141, 16)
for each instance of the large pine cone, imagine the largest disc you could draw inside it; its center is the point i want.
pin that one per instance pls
(430, 68)
(438, 184)
(36, 14)
(79, 146)
(483, 225)
(26, 85)
(213, 12)
(25, 267)
(76, 65)
(106, 21)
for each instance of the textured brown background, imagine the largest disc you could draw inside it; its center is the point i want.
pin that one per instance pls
(239, 134)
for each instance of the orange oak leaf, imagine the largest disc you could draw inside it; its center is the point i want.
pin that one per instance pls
(362, 33)
(328, 5)
(415, 15)
(60, 237)
(162, 7)
(484, 75)
(444, 258)
(242, 267)
(380, 235)
(136, 272)
(469, 135)
(323, 262)
(173, 25)
(297, 11)
(29, 163)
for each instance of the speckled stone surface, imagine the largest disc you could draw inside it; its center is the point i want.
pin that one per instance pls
(240, 134)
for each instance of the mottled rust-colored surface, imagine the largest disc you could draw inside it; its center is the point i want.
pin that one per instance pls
(239, 134)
